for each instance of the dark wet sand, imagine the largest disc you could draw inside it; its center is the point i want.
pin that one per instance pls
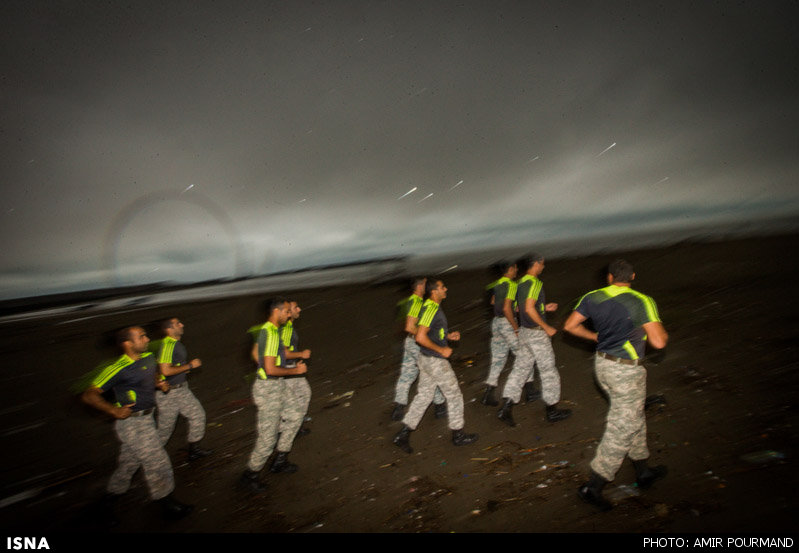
(728, 376)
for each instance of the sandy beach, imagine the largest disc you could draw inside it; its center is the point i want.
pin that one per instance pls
(723, 415)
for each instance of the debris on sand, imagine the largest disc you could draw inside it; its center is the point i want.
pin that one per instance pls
(763, 457)
(336, 400)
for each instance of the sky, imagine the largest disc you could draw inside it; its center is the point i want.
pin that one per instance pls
(183, 141)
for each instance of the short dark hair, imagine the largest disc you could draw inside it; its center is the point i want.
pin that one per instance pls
(528, 260)
(274, 303)
(501, 267)
(166, 323)
(416, 281)
(621, 270)
(123, 335)
(432, 284)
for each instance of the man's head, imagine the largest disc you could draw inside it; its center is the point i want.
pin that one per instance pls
(172, 327)
(531, 264)
(620, 272)
(435, 290)
(132, 339)
(418, 285)
(507, 269)
(294, 310)
(278, 309)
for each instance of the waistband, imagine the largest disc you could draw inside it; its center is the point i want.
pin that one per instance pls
(143, 412)
(609, 357)
(270, 377)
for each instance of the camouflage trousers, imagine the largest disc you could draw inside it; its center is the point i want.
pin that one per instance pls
(141, 447)
(535, 350)
(274, 403)
(625, 429)
(503, 340)
(179, 401)
(409, 371)
(435, 372)
(300, 394)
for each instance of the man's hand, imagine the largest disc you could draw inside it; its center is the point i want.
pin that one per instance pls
(305, 354)
(195, 364)
(162, 385)
(550, 330)
(550, 307)
(454, 336)
(446, 352)
(122, 412)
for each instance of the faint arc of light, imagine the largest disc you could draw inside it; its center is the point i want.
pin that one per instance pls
(460, 182)
(532, 160)
(605, 150)
(127, 214)
(411, 191)
(449, 269)
(423, 199)
(189, 187)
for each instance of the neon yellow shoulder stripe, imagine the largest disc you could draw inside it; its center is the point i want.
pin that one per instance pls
(430, 309)
(167, 350)
(109, 372)
(272, 341)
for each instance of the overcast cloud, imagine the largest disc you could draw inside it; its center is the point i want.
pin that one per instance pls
(191, 140)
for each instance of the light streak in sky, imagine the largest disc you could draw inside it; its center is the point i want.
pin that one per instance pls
(451, 268)
(532, 160)
(423, 199)
(189, 187)
(460, 182)
(605, 150)
(411, 191)
(664, 179)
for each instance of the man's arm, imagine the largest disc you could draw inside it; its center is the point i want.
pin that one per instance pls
(272, 369)
(410, 324)
(168, 369)
(529, 308)
(656, 334)
(424, 340)
(507, 309)
(94, 396)
(574, 325)
(304, 354)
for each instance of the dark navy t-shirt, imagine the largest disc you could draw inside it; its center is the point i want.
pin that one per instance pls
(618, 313)
(132, 381)
(433, 318)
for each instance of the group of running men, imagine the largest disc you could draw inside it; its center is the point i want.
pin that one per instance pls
(623, 321)
(152, 377)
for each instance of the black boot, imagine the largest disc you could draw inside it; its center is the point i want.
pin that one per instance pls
(303, 432)
(531, 393)
(249, 479)
(174, 509)
(591, 492)
(505, 414)
(398, 412)
(441, 410)
(403, 440)
(281, 463)
(645, 475)
(488, 396)
(460, 438)
(554, 414)
(196, 452)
